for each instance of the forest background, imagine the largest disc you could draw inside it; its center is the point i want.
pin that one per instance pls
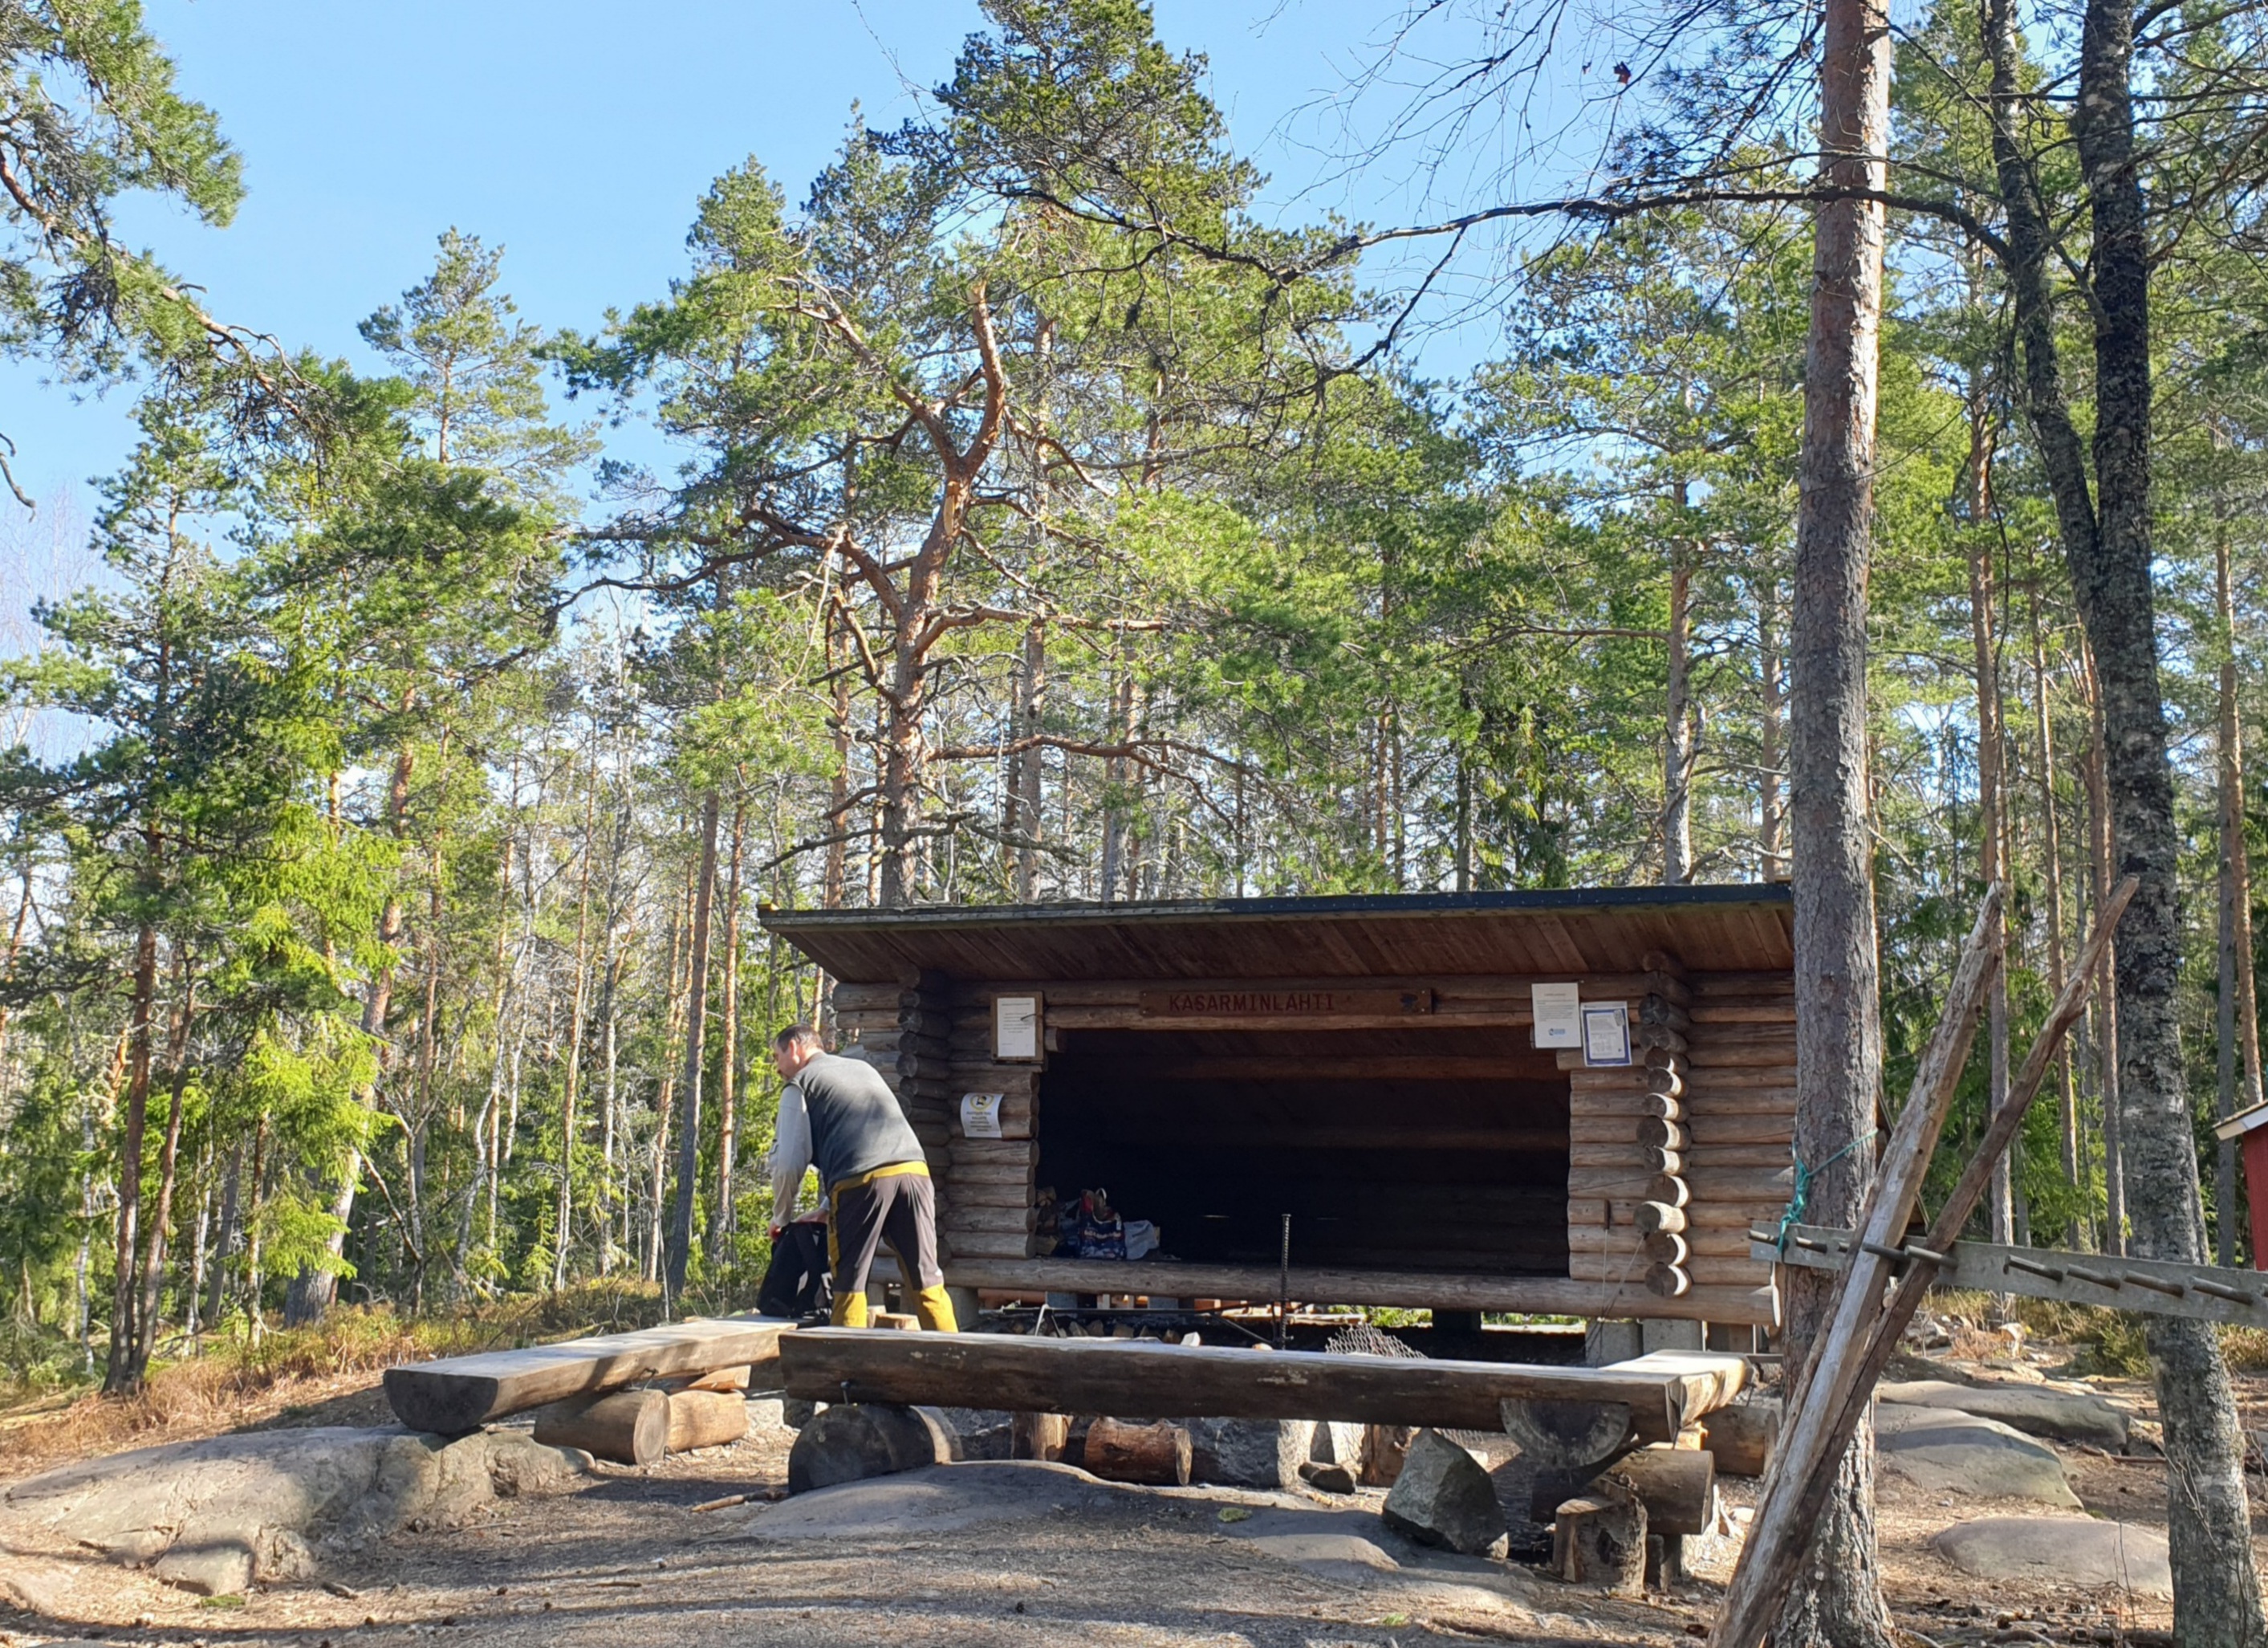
(384, 926)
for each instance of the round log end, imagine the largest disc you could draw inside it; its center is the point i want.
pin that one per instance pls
(1667, 1282)
(1658, 1217)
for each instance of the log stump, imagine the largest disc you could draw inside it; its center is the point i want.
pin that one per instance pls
(1038, 1436)
(1384, 1448)
(629, 1426)
(1741, 1437)
(1665, 1561)
(849, 1441)
(1599, 1540)
(1153, 1455)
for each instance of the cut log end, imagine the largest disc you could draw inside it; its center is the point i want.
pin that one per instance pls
(1667, 1282)
(1567, 1436)
(1660, 1217)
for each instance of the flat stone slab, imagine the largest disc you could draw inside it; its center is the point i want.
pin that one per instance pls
(2061, 1550)
(1345, 1545)
(2035, 1410)
(937, 1499)
(1949, 1451)
(215, 1515)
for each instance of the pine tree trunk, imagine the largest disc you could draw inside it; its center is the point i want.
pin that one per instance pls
(2044, 736)
(118, 1378)
(679, 1251)
(721, 1220)
(1677, 718)
(1772, 813)
(1031, 771)
(1992, 863)
(1837, 1599)
(563, 1235)
(2239, 1015)
(2105, 999)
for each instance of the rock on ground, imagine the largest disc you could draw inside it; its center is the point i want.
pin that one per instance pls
(2035, 1410)
(2061, 1550)
(213, 1516)
(1249, 1452)
(1947, 1451)
(1444, 1497)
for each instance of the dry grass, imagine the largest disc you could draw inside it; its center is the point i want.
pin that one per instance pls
(236, 1384)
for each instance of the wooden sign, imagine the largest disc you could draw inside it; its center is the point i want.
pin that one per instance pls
(1304, 1002)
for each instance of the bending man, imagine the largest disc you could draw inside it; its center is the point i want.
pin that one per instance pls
(839, 1115)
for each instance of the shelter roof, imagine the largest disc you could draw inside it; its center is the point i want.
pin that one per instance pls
(1548, 934)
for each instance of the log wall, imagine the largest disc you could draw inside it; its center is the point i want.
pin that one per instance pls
(1670, 1160)
(1673, 1159)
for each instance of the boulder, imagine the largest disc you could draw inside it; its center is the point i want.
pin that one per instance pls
(2062, 1551)
(1249, 1452)
(2075, 1417)
(984, 1433)
(213, 1516)
(1329, 1479)
(1337, 1443)
(849, 1441)
(1949, 1451)
(1444, 1497)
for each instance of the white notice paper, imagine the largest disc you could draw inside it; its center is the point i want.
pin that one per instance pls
(1016, 1027)
(1558, 1014)
(980, 1115)
(1606, 1032)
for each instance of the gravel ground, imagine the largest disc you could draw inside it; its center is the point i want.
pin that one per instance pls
(1047, 1555)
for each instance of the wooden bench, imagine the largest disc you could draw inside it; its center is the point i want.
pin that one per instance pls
(455, 1394)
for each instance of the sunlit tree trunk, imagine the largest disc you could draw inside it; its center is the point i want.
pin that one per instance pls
(1836, 1600)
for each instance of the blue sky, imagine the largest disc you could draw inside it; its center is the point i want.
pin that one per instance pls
(579, 136)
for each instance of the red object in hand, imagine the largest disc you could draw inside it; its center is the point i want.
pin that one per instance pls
(777, 1231)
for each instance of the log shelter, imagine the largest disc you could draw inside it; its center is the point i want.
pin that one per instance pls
(1368, 1066)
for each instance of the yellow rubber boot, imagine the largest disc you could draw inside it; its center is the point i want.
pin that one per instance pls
(935, 1309)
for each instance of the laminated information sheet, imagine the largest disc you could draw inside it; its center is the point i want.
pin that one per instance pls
(1606, 1032)
(1016, 1027)
(1558, 1014)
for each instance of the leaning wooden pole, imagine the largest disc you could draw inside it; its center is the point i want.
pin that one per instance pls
(1827, 1411)
(1810, 1441)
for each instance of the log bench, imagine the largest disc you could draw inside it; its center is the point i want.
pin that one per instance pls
(455, 1394)
(1576, 1417)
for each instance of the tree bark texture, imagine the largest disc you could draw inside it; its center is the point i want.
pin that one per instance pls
(2107, 544)
(1838, 976)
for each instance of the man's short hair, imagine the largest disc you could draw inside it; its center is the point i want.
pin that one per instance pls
(796, 1036)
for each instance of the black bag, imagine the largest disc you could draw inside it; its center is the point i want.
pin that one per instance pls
(798, 1283)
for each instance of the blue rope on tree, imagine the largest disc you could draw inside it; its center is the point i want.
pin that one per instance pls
(1804, 1176)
